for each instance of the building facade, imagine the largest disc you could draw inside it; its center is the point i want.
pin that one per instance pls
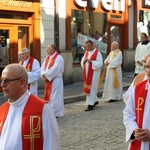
(68, 24)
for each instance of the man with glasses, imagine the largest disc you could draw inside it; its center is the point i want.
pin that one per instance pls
(33, 68)
(26, 121)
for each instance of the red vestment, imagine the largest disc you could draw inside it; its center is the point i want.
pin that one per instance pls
(87, 80)
(140, 98)
(28, 67)
(48, 84)
(32, 134)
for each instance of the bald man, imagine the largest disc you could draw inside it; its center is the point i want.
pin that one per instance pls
(51, 72)
(139, 78)
(26, 122)
(137, 114)
(113, 82)
(32, 67)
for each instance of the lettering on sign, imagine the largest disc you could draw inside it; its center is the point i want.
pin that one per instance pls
(117, 5)
(16, 3)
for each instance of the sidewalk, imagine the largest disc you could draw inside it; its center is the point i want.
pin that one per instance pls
(73, 92)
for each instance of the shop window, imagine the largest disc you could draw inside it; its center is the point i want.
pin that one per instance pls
(115, 34)
(143, 23)
(23, 37)
(13, 16)
(87, 25)
(4, 48)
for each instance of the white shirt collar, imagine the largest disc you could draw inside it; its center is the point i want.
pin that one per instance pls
(51, 56)
(21, 100)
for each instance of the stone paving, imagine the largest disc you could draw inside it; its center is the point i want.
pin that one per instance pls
(100, 129)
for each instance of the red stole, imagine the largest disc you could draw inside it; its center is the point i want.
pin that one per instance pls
(140, 98)
(48, 84)
(4, 111)
(28, 67)
(87, 80)
(32, 135)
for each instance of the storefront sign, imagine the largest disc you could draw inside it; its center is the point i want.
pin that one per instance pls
(118, 5)
(16, 3)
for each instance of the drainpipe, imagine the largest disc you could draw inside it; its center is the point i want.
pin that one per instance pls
(56, 23)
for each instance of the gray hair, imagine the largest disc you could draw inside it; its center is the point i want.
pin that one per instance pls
(116, 44)
(24, 50)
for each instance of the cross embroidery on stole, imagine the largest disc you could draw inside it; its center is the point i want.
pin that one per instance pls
(33, 130)
(138, 108)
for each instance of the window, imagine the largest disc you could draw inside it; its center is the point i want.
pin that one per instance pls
(143, 23)
(87, 25)
(13, 16)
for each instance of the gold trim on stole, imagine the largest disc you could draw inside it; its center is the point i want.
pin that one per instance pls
(139, 103)
(33, 131)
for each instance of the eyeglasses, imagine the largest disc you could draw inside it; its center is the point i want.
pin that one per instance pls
(7, 81)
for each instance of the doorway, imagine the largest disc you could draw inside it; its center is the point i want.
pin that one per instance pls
(12, 40)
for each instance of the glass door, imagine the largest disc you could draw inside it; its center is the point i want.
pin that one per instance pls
(114, 34)
(23, 38)
(4, 47)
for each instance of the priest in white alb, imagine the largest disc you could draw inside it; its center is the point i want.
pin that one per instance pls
(51, 72)
(137, 115)
(26, 121)
(91, 63)
(113, 82)
(32, 66)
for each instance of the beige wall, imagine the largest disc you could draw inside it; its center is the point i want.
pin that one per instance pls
(46, 26)
(71, 73)
(129, 60)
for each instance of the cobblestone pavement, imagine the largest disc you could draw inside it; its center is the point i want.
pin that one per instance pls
(100, 129)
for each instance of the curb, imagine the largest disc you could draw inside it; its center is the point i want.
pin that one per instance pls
(72, 99)
(69, 99)
(80, 97)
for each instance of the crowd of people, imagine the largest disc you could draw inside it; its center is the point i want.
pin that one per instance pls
(33, 120)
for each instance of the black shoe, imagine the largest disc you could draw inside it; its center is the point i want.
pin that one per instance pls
(89, 108)
(96, 103)
(112, 100)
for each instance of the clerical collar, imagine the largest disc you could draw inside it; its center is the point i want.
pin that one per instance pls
(51, 56)
(21, 100)
(145, 42)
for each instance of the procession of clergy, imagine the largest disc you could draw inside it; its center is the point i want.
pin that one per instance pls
(52, 69)
(30, 126)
